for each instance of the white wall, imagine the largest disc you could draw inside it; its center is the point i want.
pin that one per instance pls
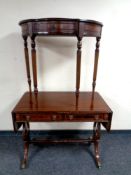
(114, 74)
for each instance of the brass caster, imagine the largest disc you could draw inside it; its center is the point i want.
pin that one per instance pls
(23, 164)
(99, 165)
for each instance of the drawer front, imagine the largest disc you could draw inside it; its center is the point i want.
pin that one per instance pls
(92, 30)
(86, 118)
(39, 118)
(54, 28)
(62, 117)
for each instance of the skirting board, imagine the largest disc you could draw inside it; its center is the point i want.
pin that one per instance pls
(60, 132)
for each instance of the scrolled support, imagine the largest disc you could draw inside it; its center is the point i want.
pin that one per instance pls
(26, 139)
(96, 138)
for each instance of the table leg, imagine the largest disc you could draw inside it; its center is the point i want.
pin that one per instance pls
(26, 139)
(96, 136)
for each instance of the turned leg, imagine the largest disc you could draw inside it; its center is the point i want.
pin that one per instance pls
(96, 137)
(26, 139)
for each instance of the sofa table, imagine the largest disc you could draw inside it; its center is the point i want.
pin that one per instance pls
(77, 106)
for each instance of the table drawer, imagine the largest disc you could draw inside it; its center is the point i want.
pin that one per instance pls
(62, 117)
(54, 27)
(39, 118)
(92, 30)
(88, 118)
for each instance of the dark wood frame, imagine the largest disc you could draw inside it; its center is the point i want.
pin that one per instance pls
(47, 106)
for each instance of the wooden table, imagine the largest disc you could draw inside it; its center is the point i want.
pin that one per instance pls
(61, 106)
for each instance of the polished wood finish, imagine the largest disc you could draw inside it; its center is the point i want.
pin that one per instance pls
(61, 106)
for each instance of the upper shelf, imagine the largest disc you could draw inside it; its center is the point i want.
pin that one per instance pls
(61, 27)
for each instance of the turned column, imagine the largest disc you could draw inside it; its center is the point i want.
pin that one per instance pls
(78, 65)
(95, 69)
(96, 63)
(34, 66)
(27, 62)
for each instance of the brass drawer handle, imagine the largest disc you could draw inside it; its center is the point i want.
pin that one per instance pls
(54, 117)
(28, 118)
(71, 117)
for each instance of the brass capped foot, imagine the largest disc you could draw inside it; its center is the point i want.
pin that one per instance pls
(23, 164)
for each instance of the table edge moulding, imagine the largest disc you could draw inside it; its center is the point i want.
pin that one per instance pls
(77, 106)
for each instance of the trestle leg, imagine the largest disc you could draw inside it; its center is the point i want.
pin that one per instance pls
(96, 138)
(26, 139)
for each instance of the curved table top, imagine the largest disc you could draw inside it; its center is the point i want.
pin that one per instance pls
(59, 19)
(61, 27)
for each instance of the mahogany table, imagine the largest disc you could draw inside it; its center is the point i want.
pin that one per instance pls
(74, 106)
